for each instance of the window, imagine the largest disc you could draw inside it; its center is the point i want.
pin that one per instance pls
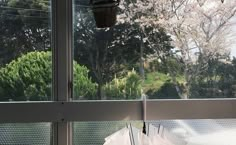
(25, 133)
(195, 132)
(100, 74)
(164, 50)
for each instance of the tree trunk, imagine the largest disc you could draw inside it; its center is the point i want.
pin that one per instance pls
(100, 92)
(187, 85)
(141, 61)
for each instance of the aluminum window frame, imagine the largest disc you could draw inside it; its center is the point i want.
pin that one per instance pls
(62, 111)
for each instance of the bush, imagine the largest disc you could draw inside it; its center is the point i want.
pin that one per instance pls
(30, 78)
(128, 87)
(167, 91)
(83, 86)
(27, 78)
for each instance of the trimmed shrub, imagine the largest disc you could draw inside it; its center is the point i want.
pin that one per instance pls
(29, 77)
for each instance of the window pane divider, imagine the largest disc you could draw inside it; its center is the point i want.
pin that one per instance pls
(62, 112)
(62, 69)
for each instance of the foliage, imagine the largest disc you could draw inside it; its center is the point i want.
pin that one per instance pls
(128, 87)
(24, 27)
(199, 28)
(105, 57)
(83, 86)
(169, 64)
(160, 86)
(30, 78)
(217, 81)
(166, 91)
(145, 30)
(110, 51)
(27, 78)
(154, 81)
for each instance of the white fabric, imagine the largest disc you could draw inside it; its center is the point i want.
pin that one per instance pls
(143, 139)
(119, 138)
(133, 136)
(125, 135)
(154, 136)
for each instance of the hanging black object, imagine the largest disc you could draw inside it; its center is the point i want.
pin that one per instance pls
(144, 128)
(144, 107)
(105, 12)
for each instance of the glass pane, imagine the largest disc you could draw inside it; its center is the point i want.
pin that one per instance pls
(25, 50)
(25, 134)
(178, 132)
(163, 49)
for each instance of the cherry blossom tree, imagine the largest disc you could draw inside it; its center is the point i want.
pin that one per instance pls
(200, 29)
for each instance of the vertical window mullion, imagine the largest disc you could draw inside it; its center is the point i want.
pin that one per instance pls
(62, 64)
(62, 37)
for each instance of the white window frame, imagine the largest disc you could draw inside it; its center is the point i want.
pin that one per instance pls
(62, 111)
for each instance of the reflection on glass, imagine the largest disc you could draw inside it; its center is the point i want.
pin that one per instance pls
(25, 133)
(163, 49)
(25, 50)
(189, 132)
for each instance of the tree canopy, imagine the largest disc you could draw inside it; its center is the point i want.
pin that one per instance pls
(25, 27)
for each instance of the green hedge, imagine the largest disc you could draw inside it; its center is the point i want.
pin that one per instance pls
(29, 77)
